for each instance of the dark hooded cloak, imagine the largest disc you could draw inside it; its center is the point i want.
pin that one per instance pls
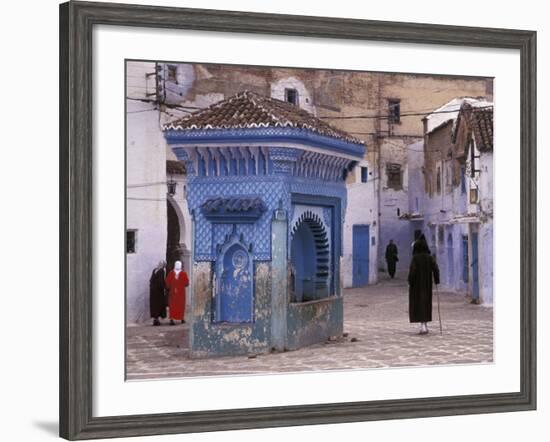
(391, 258)
(423, 270)
(157, 294)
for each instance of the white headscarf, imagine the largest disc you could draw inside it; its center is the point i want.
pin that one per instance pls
(177, 268)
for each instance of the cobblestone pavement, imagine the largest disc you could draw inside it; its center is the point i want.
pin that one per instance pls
(377, 334)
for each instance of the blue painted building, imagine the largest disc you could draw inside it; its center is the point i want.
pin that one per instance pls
(267, 196)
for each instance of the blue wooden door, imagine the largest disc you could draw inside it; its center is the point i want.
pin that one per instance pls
(465, 260)
(475, 267)
(450, 261)
(361, 248)
(235, 299)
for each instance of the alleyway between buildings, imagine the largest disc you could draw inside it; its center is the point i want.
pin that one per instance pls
(377, 334)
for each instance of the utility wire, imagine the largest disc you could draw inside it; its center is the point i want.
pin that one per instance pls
(336, 117)
(409, 114)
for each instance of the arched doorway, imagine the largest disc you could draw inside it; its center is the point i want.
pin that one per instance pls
(173, 236)
(176, 248)
(310, 259)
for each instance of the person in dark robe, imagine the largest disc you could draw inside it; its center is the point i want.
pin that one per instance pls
(391, 258)
(176, 282)
(423, 272)
(157, 293)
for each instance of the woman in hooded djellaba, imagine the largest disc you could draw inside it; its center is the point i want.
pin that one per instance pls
(423, 272)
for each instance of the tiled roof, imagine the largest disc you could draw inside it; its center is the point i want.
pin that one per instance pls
(175, 167)
(482, 124)
(250, 110)
(478, 121)
(449, 111)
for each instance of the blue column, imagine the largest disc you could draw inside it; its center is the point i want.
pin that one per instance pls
(279, 288)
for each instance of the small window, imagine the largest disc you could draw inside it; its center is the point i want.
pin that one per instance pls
(131, 241)
(172, 73)
(393, 172)
(438, 180)
(473, 196)
(291, 96)
(364, 174)
(394, 111)
(463, 179)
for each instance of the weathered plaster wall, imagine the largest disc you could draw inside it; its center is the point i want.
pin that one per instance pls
(312, 322)
(304, 97)
(486, 227)
(362, 210)
(421, 94)
(486, 262)
(211, 339)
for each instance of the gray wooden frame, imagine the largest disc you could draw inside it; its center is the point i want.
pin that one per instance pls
(76, 22)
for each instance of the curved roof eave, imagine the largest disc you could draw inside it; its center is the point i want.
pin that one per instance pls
(264, 136)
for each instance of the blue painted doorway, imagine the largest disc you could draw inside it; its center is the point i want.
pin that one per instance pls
(361, 252)
(310, 259)
(475, 267)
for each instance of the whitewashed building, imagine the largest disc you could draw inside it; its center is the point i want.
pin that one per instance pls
(157, 223)
(458, 216)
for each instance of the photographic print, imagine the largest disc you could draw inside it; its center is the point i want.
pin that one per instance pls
(286, 220)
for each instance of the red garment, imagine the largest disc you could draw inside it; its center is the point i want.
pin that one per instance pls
(176, 294)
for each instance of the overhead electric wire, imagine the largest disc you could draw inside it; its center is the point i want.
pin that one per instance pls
(410, 114)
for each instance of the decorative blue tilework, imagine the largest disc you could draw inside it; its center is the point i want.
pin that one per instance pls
(208, 234)
(249, 171)
(267, 135)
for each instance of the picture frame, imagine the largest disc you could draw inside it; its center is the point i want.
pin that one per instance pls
(77, 20)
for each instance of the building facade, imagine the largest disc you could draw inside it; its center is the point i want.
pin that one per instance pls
(459, 195)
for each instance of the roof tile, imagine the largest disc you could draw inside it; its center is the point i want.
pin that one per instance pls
(251, 110)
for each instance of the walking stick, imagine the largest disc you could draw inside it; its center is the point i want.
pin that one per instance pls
(438, 309)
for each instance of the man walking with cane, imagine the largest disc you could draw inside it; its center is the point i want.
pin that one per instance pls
(422, 271)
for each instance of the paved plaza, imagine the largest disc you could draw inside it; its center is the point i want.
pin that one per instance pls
(377, 334)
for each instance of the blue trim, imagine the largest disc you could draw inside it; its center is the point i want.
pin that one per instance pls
(263, 136)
